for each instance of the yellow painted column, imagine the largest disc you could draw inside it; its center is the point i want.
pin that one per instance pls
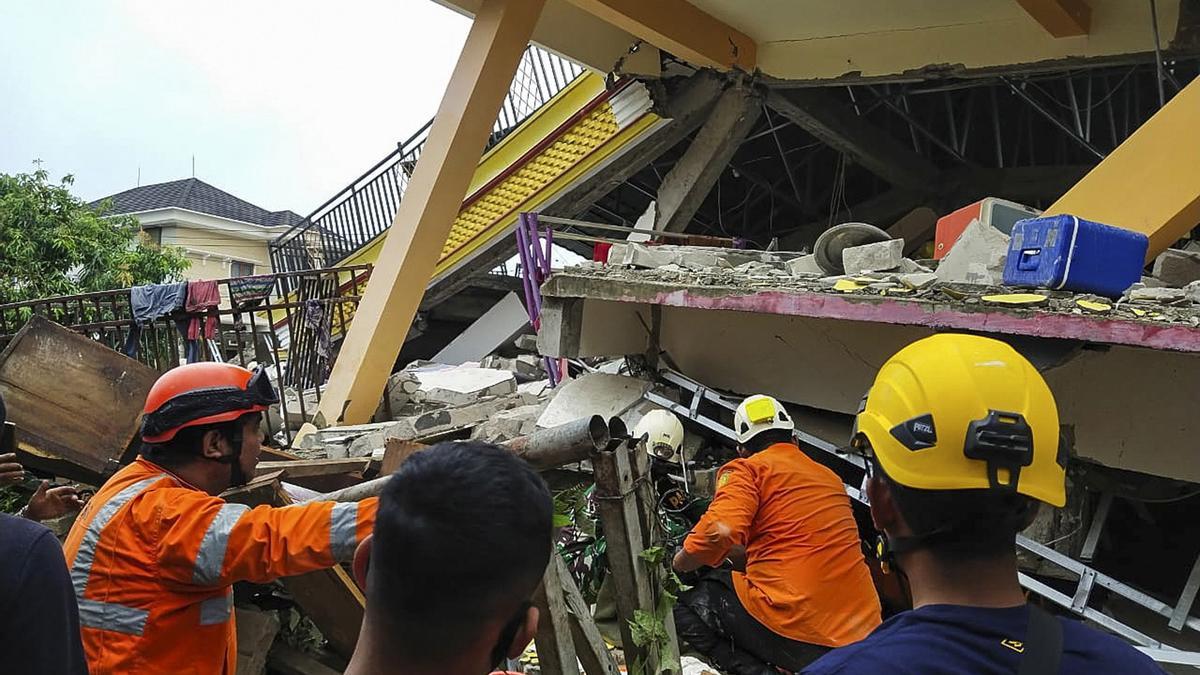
(485, 69)
(1151, 182)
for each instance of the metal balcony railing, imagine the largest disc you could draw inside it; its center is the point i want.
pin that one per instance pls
(365, 208)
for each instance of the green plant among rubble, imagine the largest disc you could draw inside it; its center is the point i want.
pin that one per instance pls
(299, 632)
(649, 629)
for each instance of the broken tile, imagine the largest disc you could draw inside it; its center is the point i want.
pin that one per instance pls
(1094, 306)
(848, 286)
(878, 257)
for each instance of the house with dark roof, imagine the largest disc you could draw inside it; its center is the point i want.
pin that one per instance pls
(222, 235)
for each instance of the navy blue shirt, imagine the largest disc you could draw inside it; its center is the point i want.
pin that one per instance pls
(954, 640)
(39, 620)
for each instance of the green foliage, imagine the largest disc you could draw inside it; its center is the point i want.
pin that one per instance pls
(653, 555)
(52, 243)
(648, 629)
(299, 632)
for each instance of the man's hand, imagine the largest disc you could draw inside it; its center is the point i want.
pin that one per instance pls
(48, 502)
(11, 472)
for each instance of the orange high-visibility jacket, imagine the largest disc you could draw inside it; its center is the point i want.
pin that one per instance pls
(153, 561)
(805, 577)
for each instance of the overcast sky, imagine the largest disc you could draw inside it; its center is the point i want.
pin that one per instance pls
(282, 102)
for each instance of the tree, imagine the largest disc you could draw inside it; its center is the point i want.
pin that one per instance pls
(53, 243)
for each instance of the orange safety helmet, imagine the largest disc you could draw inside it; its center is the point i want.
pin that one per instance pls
(203, 393)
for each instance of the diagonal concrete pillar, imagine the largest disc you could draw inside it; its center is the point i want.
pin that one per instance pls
(693, 176)
(485, 69)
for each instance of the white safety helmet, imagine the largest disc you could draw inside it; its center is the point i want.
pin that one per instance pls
(757, 414)
(663, 432)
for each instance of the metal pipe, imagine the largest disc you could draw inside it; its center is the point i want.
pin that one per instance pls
(1052, 119)
(916, 127)
(544, 449)
(1158, 60)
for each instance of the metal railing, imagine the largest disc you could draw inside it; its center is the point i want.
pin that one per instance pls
(289, 332)
(365, 208)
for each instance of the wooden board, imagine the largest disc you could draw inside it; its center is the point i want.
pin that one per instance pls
(306, 468)
(76, 403)
(330, 598)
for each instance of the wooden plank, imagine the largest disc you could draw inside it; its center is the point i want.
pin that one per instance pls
(396, 452)
(590, 647)
(77, 404)
(1060, 18)
(555, 648)
(329, 597)
(303, 468)
(618, 510)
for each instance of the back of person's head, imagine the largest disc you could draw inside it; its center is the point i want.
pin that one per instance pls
(962, 434)
(462, 537)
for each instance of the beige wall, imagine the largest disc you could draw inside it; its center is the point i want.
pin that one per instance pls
(211, 252)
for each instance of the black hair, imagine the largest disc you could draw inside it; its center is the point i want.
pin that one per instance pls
(765, 439)
(184, 448)
(463, 535)
(960, 525)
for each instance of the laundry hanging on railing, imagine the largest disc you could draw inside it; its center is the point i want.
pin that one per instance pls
(248, 292)
(203, 298)
(147, 303)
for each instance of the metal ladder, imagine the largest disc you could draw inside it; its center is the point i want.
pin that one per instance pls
(1088, 578)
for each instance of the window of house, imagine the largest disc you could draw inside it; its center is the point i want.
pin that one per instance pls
(241, 269)
(154, 234)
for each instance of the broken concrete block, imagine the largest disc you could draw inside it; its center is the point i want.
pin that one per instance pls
(1177, 268)
(1192, 291)
(509, 424)
(462, 386)
(617, 253)
(1161, 295)
(526, 343)
(256, 631)
(977, 257)
(805, 266)
(593, 394)
(909, 266)
(877, 257)
(919, 280)
(639, 255)
(430, 424)
(536, 388)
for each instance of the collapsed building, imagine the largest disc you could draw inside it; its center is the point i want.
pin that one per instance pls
(702, 156)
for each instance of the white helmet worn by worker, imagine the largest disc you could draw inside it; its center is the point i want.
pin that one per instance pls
(757, 414)
(663, 432)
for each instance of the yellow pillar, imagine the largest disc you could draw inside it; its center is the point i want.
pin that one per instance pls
(469, 107)
(1151, 182)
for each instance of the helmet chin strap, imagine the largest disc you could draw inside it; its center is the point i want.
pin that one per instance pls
(237, 476)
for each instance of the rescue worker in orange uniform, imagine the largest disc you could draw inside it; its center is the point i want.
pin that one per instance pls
(793, 582)
(155, 553)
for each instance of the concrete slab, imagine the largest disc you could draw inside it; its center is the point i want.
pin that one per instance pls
(256, 630)
(500, 324)
(877, 257)
(462, 386)
(977, 257)
(593, 394)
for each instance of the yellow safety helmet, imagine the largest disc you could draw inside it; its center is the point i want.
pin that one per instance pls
(953, 412)
(757, 414)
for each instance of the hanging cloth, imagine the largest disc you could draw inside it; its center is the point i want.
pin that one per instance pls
(203, 298)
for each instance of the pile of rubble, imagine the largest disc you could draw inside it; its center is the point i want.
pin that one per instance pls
(971, 274)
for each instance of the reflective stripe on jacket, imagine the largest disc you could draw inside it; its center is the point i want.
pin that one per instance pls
(153, 561)
(806, 578)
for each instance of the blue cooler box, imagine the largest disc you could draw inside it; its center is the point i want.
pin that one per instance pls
(1072, 254)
